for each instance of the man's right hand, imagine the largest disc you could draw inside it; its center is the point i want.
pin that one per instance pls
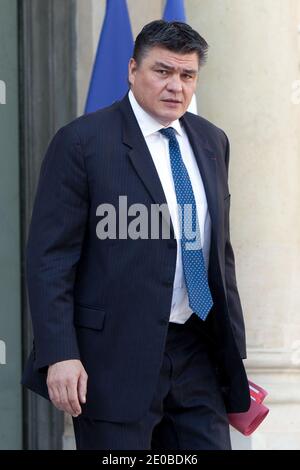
(67, 385)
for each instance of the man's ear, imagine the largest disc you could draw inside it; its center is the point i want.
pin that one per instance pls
(132, 66)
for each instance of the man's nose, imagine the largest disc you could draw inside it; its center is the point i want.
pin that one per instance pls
(175, 83)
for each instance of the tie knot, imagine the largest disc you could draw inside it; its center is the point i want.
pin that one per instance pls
(168, 132)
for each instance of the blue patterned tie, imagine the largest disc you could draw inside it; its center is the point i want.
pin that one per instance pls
(195, 274)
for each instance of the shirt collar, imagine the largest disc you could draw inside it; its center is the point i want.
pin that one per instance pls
(147, 123)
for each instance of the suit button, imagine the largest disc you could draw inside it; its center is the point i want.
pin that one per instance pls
(164, 321)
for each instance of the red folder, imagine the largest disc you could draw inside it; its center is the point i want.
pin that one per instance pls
(247, 422)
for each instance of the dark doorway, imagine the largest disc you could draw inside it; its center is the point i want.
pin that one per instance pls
(47, 76)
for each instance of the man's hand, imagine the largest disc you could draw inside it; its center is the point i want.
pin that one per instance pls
(67, 384)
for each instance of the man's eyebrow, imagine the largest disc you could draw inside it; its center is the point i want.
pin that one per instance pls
(168, 67)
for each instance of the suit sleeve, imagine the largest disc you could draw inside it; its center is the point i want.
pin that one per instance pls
(233, 298)
(54, 246)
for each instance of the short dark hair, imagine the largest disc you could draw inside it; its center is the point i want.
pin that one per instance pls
(174, 35)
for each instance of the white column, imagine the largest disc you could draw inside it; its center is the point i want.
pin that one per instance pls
(246, 88)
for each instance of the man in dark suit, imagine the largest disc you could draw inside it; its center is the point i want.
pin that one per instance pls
(139, 335)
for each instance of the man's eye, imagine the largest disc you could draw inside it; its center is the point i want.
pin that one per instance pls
(162, 72)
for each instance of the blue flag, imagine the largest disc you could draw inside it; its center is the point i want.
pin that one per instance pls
(110, 72)
(174, 11)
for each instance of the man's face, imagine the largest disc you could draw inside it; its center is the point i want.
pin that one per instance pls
(164, 83)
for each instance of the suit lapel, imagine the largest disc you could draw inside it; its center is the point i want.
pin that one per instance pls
(141, 159)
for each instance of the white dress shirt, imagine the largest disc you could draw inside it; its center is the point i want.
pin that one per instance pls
(158, 146)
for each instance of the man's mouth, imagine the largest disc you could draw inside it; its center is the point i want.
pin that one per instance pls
(172, 101)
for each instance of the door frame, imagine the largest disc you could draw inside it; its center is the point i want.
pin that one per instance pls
(48, 100)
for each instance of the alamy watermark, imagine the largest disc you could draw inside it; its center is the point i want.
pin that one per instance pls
(2, 352)
(138, 226)
(2, 92)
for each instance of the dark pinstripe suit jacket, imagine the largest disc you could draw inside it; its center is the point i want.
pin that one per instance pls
(108, 302)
